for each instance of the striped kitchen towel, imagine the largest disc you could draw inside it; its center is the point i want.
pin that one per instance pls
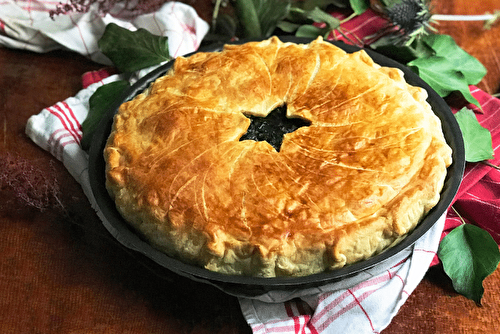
(27, 25)
(368, 300)
(368, 304)
(365, 303)
(478, 198)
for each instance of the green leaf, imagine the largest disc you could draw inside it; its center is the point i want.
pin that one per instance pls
(442, 76)
(288, 27)
(318, 15)
(259, 18)
(477, 139)
(387, 45)
(445, 46)
(310, 31)
(270, 13)
(99, 104)
(133, 50)
(249, 19)
(310, 4)
(359, 6)
(469, 254)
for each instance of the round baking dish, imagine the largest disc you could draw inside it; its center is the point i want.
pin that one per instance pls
(254, 286)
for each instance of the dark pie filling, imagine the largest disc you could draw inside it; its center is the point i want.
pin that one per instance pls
(272, 127)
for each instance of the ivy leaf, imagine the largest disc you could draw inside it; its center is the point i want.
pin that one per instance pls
(442, 76)
(359, 6)
(477, 139)
(449, 68)
(445, 46)
(99, 104)
(469, 254)
(133, 50)
(439, 61)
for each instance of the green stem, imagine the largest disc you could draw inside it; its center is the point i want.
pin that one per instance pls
(297, 10)
(215, 13)
(491, 165)
(489, 19)
(444, 17)
(458, 214)
(353, 15)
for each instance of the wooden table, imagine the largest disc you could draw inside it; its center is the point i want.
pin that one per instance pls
(60, 271)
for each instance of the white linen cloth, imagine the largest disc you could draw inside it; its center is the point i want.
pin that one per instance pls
(365, 303)
(27, 25)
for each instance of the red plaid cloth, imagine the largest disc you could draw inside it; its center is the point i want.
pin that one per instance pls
(478, 199)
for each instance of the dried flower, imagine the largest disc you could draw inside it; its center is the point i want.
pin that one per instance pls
(130, 8)
(408, 19)
(24, 182)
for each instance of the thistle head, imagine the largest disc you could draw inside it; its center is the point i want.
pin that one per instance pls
(409, 18)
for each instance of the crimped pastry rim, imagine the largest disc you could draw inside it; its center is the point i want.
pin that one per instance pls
(452, 182)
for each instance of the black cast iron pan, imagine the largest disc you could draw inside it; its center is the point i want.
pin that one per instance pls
(254, 286)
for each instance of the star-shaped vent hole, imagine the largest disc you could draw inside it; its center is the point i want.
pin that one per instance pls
(272, 127)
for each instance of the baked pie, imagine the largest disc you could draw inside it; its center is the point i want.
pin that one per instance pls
(364, 165)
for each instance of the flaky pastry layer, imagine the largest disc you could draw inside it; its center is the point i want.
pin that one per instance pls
(355, 181)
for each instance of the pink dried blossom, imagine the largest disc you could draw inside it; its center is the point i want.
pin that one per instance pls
(28, 184)
(130, 8)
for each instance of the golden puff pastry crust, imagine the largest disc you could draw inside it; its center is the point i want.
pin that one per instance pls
(363, 173)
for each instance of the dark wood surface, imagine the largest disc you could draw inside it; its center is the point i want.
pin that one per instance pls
(60, 272)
